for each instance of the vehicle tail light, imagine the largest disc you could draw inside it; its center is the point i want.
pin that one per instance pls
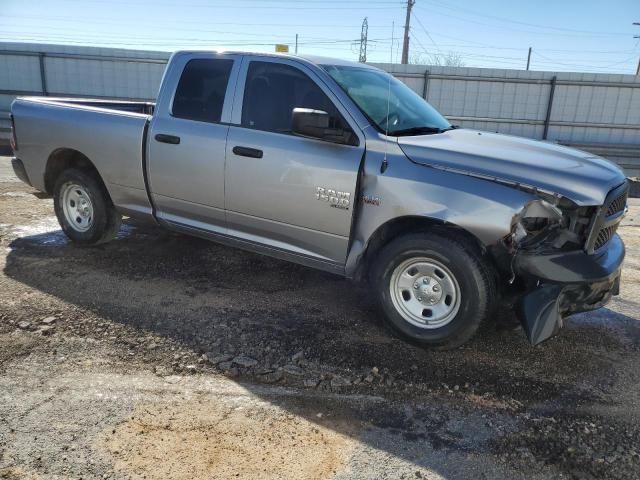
(14, 140)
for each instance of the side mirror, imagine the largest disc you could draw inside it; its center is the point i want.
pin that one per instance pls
(315, 124)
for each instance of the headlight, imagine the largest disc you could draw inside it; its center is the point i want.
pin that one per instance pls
(537, 218)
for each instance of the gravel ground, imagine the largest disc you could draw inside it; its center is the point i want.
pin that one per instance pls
(163, 356)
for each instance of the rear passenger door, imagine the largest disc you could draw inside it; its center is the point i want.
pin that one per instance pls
(186, 146)
(290, 192)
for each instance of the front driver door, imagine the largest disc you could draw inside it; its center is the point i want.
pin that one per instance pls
(290, 192)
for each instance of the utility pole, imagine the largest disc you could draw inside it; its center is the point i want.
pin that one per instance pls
(363, 41)
(297, 44)
(407, 23)
(529, 58)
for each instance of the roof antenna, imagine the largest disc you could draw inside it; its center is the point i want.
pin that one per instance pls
(385, 163)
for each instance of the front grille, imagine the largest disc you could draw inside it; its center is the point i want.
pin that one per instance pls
(604, 235)
(618, 204)
(607, 219)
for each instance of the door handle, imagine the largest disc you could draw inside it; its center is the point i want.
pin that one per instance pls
(247, 152)
(164, 138)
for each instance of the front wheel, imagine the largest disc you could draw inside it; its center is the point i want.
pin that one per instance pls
(435, 289)
(83, 207)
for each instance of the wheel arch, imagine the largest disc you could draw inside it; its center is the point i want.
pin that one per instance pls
(62, 159)
(396, 227)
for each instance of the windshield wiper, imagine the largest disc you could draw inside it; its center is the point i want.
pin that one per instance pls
(415, 131)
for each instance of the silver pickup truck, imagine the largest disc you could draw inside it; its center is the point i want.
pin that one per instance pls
(341, 167)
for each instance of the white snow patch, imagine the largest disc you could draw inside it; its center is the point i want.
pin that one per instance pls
(16, 194)
(45, 232)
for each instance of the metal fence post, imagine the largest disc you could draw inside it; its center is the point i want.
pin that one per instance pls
(552, 92)
(43, 75)
(425, 86)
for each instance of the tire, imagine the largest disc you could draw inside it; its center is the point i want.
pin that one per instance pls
(434, 288)
(89, 217)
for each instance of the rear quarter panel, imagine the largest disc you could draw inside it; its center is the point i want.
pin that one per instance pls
(111, 140)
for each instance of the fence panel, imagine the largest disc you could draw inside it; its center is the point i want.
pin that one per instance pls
(596, 112)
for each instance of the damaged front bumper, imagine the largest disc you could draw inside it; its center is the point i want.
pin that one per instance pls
(564, 283)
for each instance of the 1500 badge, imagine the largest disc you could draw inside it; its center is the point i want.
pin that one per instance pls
(333, 197)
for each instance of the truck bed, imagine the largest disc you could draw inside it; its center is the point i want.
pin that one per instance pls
(111, 133)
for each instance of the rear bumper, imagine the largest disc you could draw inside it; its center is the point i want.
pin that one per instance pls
(19, 170)
(566, 283)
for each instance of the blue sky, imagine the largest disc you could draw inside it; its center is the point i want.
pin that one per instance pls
(566, 35)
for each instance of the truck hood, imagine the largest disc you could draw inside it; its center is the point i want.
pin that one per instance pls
(579, 176)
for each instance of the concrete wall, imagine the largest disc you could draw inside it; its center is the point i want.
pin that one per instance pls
(595, 112)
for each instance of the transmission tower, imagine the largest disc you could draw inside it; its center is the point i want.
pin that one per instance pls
(363, 41)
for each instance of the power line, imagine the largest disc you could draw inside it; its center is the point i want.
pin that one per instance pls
(424, 29)
(138, 35)
(278, 36)
(550, 60)
(481, 45)
(297, 25)
(533, 32)
(512, 62)
(583, 51)
(515, 61)
(340, 5)
(170, 39)
(249, 38)
(171, 47)
(18, 30)
(433, 57)
(140, 22)
(287, 3)
(511, 21)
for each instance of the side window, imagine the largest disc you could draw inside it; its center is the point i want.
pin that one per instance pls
(273, 90)
(201, 89)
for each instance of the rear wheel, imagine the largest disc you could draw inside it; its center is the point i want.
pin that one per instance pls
(435, 289)
(83, 207)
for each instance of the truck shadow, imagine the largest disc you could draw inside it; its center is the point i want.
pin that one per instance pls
(310, 330)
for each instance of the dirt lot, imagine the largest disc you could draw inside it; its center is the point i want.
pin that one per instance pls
(163, 356)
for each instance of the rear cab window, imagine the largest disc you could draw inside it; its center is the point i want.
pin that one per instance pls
(201, 90)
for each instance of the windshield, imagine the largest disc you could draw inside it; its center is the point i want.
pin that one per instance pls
(406, 113)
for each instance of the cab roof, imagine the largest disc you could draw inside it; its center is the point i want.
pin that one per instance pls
(315, 59)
